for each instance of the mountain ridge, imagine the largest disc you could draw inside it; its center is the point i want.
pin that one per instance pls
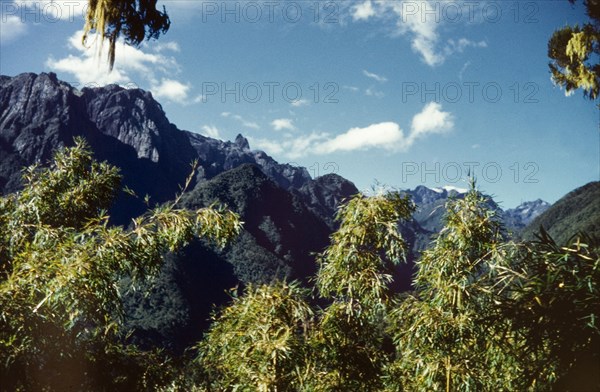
(125, 127)
(576, 212)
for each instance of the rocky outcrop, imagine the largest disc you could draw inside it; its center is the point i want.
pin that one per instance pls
(127, 128)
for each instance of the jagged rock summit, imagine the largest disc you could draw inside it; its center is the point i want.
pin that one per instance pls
(127, 128)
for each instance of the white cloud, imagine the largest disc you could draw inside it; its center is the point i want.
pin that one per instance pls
(412, 19)
(387, 136)
(301, 146)
(384, 135)
(379, 78)
(211, 131)
(242, 120)
(363, 11)
(372, 92)
(300, 102)
(283, 123)
(172, 90)
(351, 88)
(459, 46)
(420, 21)
(164, 46)
(291, 147)
(11, 27)
(143, 67)
(426, 47)
(431, 120)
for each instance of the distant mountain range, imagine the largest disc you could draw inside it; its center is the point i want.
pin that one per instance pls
(516, 219)
(288, 215)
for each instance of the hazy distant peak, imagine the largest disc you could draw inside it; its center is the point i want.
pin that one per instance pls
(449, 188)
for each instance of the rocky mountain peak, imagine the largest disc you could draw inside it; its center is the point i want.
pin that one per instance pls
(127, 128)
(36, 112)
(130, 115)
(522, 215)
(424, 195)
(242, 142)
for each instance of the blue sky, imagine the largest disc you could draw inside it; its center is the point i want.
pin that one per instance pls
(400, 92)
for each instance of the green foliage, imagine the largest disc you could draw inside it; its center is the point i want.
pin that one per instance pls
(441, 333)
(485, 314)
(364, 249)
(554, 302)
(60, 261)
(135, 20)
(577, 212)
(574, 51)
(449, 272)
(258, 343)
(355, 272)
(490, 315)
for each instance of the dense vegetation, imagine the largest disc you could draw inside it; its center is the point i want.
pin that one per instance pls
(60, 263)
(578, 211)
(486, 314)
(574, 50)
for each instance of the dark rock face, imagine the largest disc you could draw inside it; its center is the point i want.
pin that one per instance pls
(124, 127)
(127, 128)
(37, 114)
(242, 142)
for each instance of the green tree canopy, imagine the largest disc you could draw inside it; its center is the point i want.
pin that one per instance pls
(258, 343)
(574, 52)
(134, 20)
(553, 301)
(355, 273)
(60, 263)
(442, 336)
